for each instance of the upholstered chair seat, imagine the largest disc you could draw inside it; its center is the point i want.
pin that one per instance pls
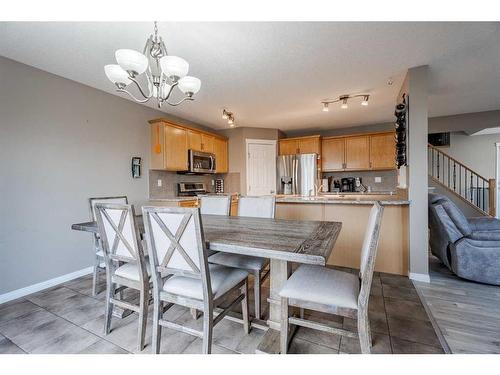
(131, 271)
(324, 286)
(222, 279)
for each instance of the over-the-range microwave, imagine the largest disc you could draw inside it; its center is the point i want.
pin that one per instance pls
(201, 162)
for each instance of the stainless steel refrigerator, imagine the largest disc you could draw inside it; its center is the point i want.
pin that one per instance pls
(297, 174)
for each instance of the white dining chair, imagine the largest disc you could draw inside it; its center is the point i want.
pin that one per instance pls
(181, 273)
(99, 255)
(215, 205)
(126, 265)
(259, 207)
(334, 292)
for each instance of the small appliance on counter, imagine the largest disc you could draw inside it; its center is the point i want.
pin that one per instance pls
(325, 186)
(359, 187)
(335, 186)
(347, 184)
(191, 189)
(219, 185)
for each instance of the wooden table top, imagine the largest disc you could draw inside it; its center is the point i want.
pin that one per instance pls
(309, 242)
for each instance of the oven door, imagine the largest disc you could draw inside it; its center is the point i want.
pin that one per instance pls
(201, 162)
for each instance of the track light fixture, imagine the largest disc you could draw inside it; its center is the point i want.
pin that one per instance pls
(229, 116)
(344, 100)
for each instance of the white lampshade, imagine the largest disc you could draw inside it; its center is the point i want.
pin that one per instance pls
(116, 74)
(189, 85)
(174, 66)
(132, 61)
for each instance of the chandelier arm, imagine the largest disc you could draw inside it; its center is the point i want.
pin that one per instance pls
(180, 101)
(132, 96)
(140, 88)
(170, 91)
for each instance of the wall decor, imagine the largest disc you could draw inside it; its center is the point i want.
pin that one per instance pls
(401, 122)
(136, 167)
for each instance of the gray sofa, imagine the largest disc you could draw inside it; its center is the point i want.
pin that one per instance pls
(470, 247)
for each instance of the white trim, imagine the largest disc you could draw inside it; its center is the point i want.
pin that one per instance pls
(44, 285)
(264, 142)
(423, 277)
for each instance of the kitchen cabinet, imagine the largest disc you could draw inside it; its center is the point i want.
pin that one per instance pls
(382, 151)
(301, 145)
(170, 143)
(221, 155)
(373, 151)
(357, 156)
(332, 154)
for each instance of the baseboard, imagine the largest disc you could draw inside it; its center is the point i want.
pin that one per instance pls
(44, 285)
(423, 277)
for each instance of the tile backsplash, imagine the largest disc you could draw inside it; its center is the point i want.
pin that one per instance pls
(169, 181)
(388, 178)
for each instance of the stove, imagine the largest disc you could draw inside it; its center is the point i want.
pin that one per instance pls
(191, 189)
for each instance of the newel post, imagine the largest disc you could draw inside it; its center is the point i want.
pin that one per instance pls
(491, 198)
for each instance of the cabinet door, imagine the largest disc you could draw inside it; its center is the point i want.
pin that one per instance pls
(207, 143)
(221, 158)
(333, 154)
(382, 151)
(176, 149)
(289, 147)
(310, 145)
(357, 153)
(194, 140)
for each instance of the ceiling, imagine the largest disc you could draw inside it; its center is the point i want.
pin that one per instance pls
(275, 74)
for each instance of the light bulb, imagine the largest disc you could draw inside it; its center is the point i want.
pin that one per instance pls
(231, 125)
(365, 100)
(344, 104)
(325, 107)
(230, 121)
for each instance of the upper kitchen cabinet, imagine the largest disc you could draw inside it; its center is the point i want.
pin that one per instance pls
(332, 156)
(374, 151)
(170, 143)
(357, 156)
(301, 145)
(382, 151)
(221, 155)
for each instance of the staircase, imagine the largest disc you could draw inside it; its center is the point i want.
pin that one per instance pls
(458, 179)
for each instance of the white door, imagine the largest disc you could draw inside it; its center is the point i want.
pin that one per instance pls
(261, 167)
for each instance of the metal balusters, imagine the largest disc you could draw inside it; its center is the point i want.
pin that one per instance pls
(454, 176)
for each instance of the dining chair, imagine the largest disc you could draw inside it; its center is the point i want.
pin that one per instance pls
(259, 207)
(215, 205)
(99, 255)
(126, 265)
(181, 273)
(334, 292)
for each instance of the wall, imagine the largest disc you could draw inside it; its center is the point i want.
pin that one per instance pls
(60, 142)
(237, 148)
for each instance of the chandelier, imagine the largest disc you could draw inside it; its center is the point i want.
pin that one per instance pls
(162, 72)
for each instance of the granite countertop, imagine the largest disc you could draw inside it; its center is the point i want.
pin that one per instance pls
(173, 199)
(368, 199)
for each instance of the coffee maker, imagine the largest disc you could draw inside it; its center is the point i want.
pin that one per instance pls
(347, 184)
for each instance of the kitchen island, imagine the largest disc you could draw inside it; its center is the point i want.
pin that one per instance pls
(353, 211)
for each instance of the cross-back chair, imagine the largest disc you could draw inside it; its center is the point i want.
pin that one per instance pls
(263, 207)
(334, 292)
(99, 255)
(181, 273)
(126, 265)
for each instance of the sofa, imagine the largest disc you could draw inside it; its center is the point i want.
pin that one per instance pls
(469, 247)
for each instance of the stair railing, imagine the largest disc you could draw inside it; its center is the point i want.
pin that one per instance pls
(456, 177)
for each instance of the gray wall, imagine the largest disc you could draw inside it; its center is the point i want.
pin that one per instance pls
(60, 143)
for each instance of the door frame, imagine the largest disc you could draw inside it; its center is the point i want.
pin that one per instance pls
(273, 142)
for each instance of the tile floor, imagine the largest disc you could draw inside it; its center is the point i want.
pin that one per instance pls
(67, 319)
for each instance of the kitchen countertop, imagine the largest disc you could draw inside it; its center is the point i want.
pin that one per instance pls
(189, 198)
(362, 199)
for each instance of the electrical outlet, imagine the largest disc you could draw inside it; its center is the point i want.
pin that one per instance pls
(378, 180)
(159, 183)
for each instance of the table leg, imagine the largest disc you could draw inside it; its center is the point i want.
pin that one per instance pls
(280, 272)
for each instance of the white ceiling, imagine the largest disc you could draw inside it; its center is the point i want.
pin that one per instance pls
(275, 74)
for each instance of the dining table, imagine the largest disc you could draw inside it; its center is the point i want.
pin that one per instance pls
(283, 242)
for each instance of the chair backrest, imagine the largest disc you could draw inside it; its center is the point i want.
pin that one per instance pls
(369, 252)
(216, 205)
(93, 201)
(176, 244)
(257, 206)
(118, 233)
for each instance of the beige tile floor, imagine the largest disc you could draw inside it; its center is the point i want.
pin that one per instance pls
(67, 319)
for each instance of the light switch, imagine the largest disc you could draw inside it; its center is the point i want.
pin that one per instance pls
(378, 179)
(159, 182)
